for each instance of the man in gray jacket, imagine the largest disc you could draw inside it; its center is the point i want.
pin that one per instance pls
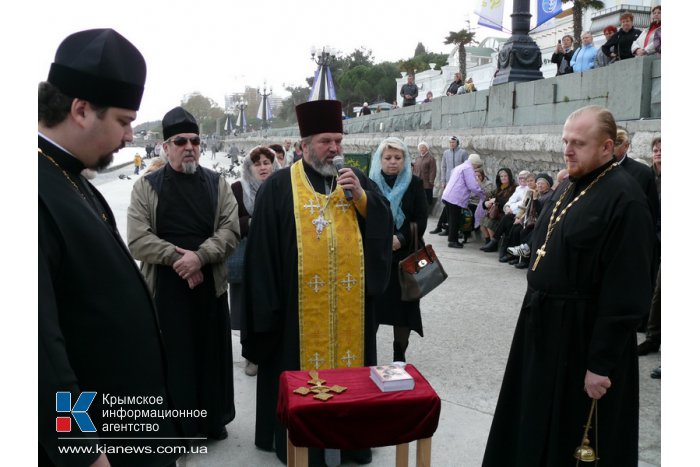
(182, 224)
(451, 158)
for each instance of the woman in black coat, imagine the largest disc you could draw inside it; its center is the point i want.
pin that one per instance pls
(391, 171)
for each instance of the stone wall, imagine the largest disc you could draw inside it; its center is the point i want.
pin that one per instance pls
(512, 125)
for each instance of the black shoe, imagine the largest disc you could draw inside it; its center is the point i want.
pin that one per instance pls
(656, 373)
(491, 246)
(219, 436)
(436, 231)
(443, 233)
(648, 347)
(455, 245)
(505, 258)
(361, 456)
(487, 240)
(522, 265)
(514, 261)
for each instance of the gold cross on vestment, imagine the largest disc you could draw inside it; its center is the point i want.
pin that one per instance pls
(312, 205)
(316, 360)
(321, 392)
(316, 283)
(540, 254)
(348, 358)
(342, 205)
(348, 282)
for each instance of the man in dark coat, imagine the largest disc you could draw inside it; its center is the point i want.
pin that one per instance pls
(99, 339)
(288, 284)
(588, 284)
(182, 224)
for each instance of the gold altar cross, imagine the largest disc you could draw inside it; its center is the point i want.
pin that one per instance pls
(321, 392)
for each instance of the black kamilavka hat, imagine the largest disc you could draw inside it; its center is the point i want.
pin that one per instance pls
(322, 116)
(177, 121)
(100, 66)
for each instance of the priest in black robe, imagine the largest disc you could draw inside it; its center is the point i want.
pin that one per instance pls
(270, 332)
(182, 224)
(97, 326)
(575, 340)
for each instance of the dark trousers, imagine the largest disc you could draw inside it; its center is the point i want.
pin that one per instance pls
(654, 323)
(454, 216)
(429, 196)
(443, 217)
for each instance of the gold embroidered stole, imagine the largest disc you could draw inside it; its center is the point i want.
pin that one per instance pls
(331, 277)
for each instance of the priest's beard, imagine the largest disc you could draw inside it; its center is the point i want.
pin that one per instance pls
(103, 162)
(327, 170)
(189, 167)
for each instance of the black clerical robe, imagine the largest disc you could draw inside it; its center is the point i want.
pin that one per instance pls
(98, 329)
(270, 321)
(580, 312)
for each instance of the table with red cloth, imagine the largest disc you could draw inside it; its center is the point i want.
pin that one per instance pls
(361, 417)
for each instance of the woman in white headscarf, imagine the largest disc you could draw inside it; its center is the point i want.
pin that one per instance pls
(257, 166)
(391, 171)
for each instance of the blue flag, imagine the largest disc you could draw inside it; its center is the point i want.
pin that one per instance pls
(547, 9)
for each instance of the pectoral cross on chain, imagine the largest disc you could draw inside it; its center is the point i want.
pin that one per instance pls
(540, 254)
(320, 222)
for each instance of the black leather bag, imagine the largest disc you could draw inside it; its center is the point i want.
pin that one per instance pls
(420, 272)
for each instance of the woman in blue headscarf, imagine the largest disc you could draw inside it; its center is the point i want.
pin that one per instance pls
(391, 171)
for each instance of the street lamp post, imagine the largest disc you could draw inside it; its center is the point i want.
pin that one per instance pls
(263, 112)
(323, 83)
(520, 58)
(241, 105)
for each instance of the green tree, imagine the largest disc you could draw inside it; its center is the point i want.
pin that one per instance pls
(577, 10)
(460, 39)
(287, 115)
(420, 50)
(205, 110)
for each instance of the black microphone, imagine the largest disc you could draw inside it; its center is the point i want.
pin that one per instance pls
(339, 163)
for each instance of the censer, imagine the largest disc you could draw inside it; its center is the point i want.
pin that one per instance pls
(585, 453)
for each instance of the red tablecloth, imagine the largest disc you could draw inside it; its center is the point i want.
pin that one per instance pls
(362, 416)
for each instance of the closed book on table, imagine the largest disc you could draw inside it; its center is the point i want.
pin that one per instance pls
(392, 377)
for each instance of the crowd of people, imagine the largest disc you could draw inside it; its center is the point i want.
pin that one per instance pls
(620, 43)
(263, 256)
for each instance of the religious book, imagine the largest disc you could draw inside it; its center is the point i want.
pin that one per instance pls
(391, 378)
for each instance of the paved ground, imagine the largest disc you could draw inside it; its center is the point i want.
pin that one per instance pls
(468, 324)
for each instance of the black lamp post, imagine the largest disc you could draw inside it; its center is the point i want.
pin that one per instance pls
(322, 57)
(241, 105)
(265, 95)
(520, 58)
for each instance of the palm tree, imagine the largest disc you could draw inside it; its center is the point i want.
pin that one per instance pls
(460, 39)
(579, 6)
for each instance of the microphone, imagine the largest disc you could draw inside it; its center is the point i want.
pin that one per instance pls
(339, 163)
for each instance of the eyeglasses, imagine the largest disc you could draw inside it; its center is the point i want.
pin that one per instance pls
(181, 141)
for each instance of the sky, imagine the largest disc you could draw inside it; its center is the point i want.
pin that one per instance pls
(219, 47)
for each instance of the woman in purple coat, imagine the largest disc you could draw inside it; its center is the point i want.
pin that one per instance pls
(460, 187)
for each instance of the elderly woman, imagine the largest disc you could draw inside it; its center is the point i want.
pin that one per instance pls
(425, 168)
(391, 171)
(257, 166)
(505, 188)
(461, 186)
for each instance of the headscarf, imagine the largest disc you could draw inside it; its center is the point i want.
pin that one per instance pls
(249, 183)
(403, 179)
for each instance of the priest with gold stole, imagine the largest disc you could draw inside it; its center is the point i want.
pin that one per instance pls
(319, 250)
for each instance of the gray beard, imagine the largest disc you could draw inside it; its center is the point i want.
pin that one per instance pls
(189, 167)
(327, 170)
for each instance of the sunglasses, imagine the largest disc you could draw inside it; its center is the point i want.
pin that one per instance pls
(181, 141)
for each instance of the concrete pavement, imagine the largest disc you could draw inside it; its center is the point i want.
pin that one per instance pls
(468, 324)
